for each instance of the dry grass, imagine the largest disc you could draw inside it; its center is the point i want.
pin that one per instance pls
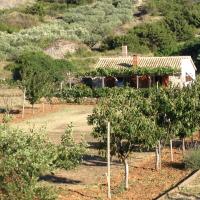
(19, 20)
(5, 4)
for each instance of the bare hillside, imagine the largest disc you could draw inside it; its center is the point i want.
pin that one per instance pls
(12, 3)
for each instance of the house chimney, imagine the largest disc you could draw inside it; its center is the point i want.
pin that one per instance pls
(136, 60)
(124, 51)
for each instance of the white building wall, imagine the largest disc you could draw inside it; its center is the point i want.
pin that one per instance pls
(187, 68)
(176, 81)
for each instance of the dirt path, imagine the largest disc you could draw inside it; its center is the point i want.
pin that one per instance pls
(56, 122)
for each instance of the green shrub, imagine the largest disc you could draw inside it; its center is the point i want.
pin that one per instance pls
(69, 154)
(24, 157)
(7, 28)
(192, 159)
(39, 74)
(76, 93)
(179, 26)
(36, 9)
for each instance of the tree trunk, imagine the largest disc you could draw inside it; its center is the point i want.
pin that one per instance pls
(23, 104)
(126, 173)
(171, 150)
(43, 107)
(183, 145)
(33, 109)
(157, 158)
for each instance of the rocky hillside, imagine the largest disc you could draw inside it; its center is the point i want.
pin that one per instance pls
(4, 4)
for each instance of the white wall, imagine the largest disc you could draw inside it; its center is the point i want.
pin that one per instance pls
(187, 68)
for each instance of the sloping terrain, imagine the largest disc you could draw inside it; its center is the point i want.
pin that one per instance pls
(4, 4)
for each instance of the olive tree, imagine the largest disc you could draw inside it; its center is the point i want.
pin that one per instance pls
(39, 75)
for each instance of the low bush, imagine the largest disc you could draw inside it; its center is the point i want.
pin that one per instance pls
(36, 9)
(69, 154)
(76, 93)
(192, 159)
(79, 93)
(24, 157)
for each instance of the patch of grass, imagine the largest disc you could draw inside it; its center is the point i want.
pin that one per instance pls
(119, 189)
(16, 21)
(192, 159)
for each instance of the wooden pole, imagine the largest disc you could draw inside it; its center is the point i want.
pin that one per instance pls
(61, 85)
(103, 82)
(159, 149)
(183, 145)
(149, 81)
(157, 158)
(171, 150)
(126, 173)
(108, 160)
(70, 81)
(23, 104)
(137, 82)
(42, 106)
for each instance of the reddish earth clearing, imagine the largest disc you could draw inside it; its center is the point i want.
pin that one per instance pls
(88, 181)
(145, 181)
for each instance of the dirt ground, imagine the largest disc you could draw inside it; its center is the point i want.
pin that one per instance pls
(55, 120)
(88, 181)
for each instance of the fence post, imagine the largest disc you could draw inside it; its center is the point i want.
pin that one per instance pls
(108, 160)
(23, 104)
(137, 79)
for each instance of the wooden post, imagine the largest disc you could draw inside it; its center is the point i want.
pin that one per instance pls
(23, 103)
(137, 81)
(149, 81)
(108, 160)
(42, 106)
(33, 109)
(103, 82)
(171, 150)
(159, 150)
(157, 158)
(70, 81)
(126, 173)
(61, 85)
(183, 145)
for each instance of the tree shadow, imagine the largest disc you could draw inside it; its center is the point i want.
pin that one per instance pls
(93, 160)
(95, 145)
(13, 111)
(81, 194)
(58, 180)
(176, 165)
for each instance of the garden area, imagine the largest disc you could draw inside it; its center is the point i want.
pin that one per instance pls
(152, 132)
(54, 129)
